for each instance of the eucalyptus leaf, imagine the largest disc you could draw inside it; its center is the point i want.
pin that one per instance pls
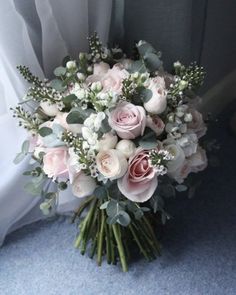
(74, 117)
(33, 188)
(124, 218)
(145, 48)
(59, 71)
(148, 141)
(113, 208)
(57, 85)
(146, 94)
(52, 141)
(104, 205)
(112, 220)
(138, 214)
(181, 188)
(25, 147)
(152, 61)
(69, 98)
(100, 192)
(45, 131)
(19, 157)
(105, 127)
(138, 66)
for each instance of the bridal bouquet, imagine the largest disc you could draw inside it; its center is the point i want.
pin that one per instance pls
(123, 134)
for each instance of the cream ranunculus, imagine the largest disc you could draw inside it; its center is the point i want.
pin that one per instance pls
(49, 109)
(107, 142)
(111, 164)
(83, 185)
(127, 147)
(157, 103)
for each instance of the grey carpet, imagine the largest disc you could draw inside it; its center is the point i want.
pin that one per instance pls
(199, 255)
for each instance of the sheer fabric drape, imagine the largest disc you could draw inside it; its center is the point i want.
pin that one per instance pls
(36, 33)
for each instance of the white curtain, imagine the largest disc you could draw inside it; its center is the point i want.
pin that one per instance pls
(38, 34)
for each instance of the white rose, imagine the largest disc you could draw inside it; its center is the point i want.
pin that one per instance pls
(127, 147)
(49, 109)
(83, 185)
(179, 157)
(157, 103)
(112, 164)
(107, 142)
(189, 143)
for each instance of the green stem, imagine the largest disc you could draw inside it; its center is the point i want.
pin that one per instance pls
(137, 240)
(108, 244)
(90, 226)
(85, 223)
(148, 225)
(116, 231)
(113, 258)
(81, 208)
(100, 239)
(147, 236)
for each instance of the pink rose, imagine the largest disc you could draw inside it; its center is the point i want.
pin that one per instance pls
(111, 79)
(140, 181)
(197, 124)
(198, 161)
(156, 124)
(128, 120)
(100, 68)
(55, 162)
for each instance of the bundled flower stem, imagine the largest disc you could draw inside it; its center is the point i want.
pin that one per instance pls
(111, 240)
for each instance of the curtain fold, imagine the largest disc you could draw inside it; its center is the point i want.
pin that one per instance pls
(37, 34)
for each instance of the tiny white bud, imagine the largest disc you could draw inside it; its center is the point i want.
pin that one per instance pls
(71, 65)
(81, 76)
(96, 86)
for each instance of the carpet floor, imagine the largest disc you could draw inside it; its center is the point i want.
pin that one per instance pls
(199, 246)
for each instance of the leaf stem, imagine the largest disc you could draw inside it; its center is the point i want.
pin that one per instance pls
(100, 239)
(116, 231)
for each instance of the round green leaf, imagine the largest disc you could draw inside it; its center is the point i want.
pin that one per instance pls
(59, 71)
(45, 131)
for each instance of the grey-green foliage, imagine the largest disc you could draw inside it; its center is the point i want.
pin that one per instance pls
(49, 203)
(59, 71)
(24, 151)
(148, 141)
(116, 212)
(149, 57)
